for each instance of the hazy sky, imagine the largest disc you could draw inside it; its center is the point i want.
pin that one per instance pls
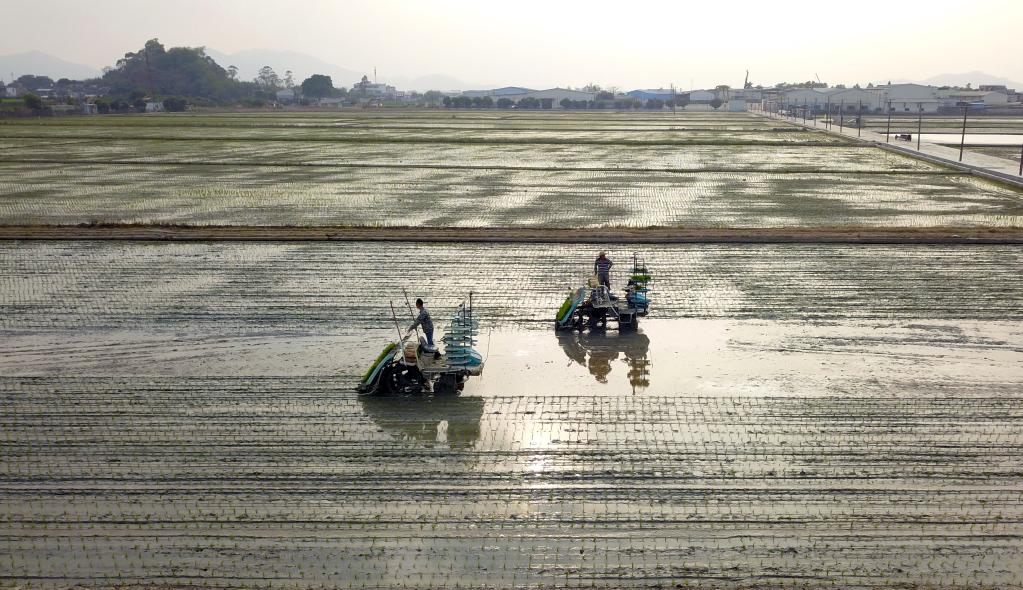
(555, 43)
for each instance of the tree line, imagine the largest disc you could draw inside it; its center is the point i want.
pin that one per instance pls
(176, 77)
(181, 76)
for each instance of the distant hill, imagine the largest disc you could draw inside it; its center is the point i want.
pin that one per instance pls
(432, 82)
(43, 64)
(301, 65)
(976, 78)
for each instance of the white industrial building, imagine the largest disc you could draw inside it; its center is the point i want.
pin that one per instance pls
(664, 94)
(496, 93)
(953, 97)
(549, 99)
(835, 99)
(854, 99)
(701, 96)
(811, 98)
(995, 98)
(559, 94)
(910, 98)
(900, 98)
(747, 94)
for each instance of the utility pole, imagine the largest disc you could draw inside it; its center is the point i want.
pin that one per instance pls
(888, 129)
(919, 124)
(841, 115)
(962, 142)
(859, 117)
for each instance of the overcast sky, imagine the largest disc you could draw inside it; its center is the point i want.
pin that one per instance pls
(555, 43)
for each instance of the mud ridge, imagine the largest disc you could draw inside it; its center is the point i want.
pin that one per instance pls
(650, 235)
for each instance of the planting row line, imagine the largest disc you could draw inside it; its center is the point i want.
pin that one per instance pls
(347, 286)
(36, 193)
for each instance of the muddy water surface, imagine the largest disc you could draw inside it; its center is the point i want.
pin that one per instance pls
(664, 358)
(183, 415)
(629, 170)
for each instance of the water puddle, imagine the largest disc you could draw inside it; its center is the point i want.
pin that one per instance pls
(665, 357)
(762, 358)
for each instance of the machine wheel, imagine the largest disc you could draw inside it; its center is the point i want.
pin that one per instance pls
(447, 384)
(399, 379)
(631, 323)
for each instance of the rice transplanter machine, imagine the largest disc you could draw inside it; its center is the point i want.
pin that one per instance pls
(593, 306)
(405, 366)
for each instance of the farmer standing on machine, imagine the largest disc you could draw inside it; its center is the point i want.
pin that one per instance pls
(424, 320)
(602, 268)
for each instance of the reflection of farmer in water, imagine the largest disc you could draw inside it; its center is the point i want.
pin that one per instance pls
(598, 351)
(600, 363)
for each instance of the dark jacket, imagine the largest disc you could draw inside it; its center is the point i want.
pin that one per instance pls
(423, 320)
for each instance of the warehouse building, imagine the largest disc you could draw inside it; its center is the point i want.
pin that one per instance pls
(548, 99)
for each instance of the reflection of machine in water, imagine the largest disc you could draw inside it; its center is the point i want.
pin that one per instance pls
(598, 350)
(454, 420)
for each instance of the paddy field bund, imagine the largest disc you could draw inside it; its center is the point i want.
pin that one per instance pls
(797, 415)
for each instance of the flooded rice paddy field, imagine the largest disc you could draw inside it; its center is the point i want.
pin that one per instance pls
(907, 123)
(475, 169)
(788, 416)
(184, 414)
(55, 193)
(296, 483)
(711, 158)
(1009, 153)
(412, 119)
(345, 287)
(539, 134)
